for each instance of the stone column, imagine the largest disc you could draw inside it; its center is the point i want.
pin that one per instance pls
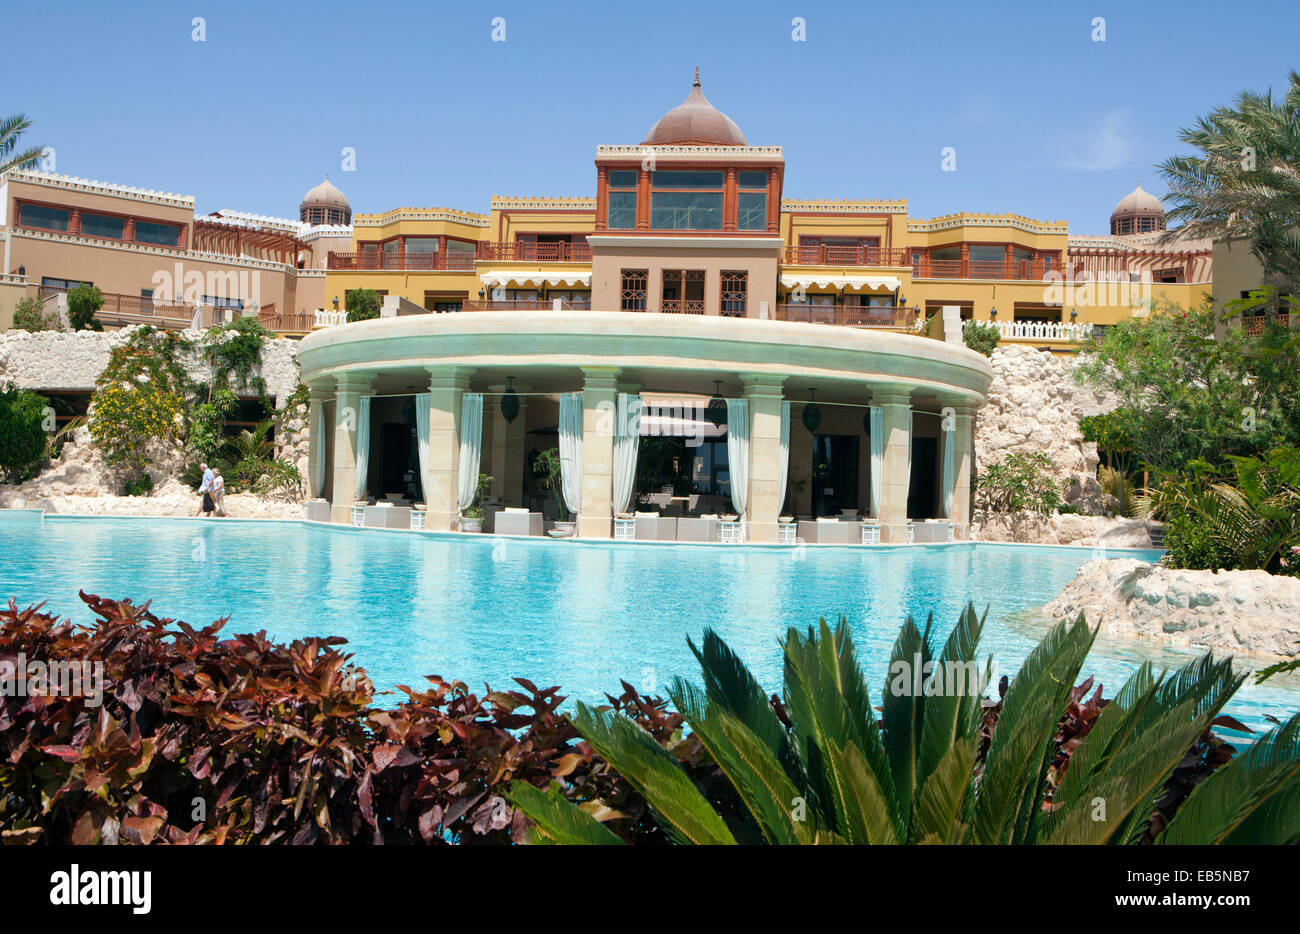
(963, 435)
(507, 446)
(348, 390)
(763, 501)
(896, 408)
(441, 487)
(599, 413)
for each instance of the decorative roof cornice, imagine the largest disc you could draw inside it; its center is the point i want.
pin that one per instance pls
(325, 230)
(743, 153)
(844, 205)
(512, 203)
(173, 255)
(421, 214)
(967, 219)
(249, 219)
(87, 186)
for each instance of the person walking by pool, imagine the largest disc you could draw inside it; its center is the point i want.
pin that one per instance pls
(219, 492)
(204, 490)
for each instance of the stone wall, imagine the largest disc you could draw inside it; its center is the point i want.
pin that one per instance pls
(1238, 612)
(73, 360)
(1035, 405)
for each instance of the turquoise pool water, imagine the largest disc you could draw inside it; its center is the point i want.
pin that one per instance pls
(574, 614)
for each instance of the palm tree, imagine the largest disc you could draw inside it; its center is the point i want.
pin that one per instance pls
(936, 766)
(1246, 182)
(10, 129)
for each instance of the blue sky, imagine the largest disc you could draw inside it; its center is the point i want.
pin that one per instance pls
(1045, 121)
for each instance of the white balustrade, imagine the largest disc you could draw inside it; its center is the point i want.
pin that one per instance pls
(1039, 330)
(327, 319)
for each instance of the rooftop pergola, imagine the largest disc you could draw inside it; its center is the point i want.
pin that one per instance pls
(238, 240)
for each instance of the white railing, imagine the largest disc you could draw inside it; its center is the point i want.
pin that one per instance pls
(1039, 330)
(327, 319)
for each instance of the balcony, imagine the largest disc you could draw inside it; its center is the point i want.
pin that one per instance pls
(681, 306)
(528, 252)
(290, 323)
(1017, 270)
(850, 316)
(1038, 330)
(122, 310)
(524, 304)
(402, 262)
(821, 255)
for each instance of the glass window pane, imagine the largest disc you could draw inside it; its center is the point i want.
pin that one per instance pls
(751, 211)
(986, 253)
(622, 210)
(686, 179)
(686, 210)
(161, 234)
(421, 244)
(459, 246)
(751, 179)
(101, 225)
(37, 215)
(623, 179)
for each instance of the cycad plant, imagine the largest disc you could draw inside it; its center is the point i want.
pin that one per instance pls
(937, 763)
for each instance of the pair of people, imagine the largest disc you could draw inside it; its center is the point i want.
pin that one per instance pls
(213, 492)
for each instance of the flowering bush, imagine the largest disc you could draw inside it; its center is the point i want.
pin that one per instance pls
(127, 416)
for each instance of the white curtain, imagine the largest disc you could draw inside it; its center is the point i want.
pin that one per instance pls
(571, 416)
(471, 446)
(363, 448)
(423, 401)
(738, 452)
(948, 443)
(783, 466)
(316, 433)
(627, 439)
(877, 459)
(911, 436)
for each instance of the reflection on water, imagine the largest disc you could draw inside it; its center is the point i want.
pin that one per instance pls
(580, 615)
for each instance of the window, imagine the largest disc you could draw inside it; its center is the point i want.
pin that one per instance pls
(103, 225)
(683, 292)
(217, 302)
(442, 302)
(55, 285)
(460, 254)
(684, 200)
(632, 294)
(751, 210)
(46, 218)
(735, 294)
(751, 180)
(161, 234)
(622, 200)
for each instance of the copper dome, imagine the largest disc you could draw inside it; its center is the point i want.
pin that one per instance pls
(695, 122)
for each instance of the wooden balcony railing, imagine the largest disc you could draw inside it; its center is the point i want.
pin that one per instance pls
(522, 304)
(1253, 325)
(1020, 270)
(821, 255)
(428, 262)
(286, 322)
(521, 251)
(681, 306)
(851, 316)
(120, 310)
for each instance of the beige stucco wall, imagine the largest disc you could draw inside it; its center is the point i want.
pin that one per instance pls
(758, 257)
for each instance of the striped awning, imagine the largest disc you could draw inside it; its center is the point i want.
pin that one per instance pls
(535, 277)
(869, 283)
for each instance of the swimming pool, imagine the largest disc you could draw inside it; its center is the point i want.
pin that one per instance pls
(577, 614)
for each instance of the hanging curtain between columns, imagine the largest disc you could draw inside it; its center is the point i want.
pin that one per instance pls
(363, 448)
(877, 459)
(627, 440)
(738, 452)
(911, 437)
(471, 446)
(571, 450)
(783, 467)
(423, 402)
(948, 439)
(316, 432)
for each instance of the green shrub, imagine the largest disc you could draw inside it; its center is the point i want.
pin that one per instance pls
(234, 350)
(1020, 482)
(138, 486)
(981, 337)
(29, 315)
(207, 434)
(83, 302)
(363, 304)
(23, 422)
(1191, 542)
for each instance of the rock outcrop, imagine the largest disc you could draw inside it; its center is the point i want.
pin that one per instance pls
(1232, 612)
(1035, 405)
(1091, 531)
